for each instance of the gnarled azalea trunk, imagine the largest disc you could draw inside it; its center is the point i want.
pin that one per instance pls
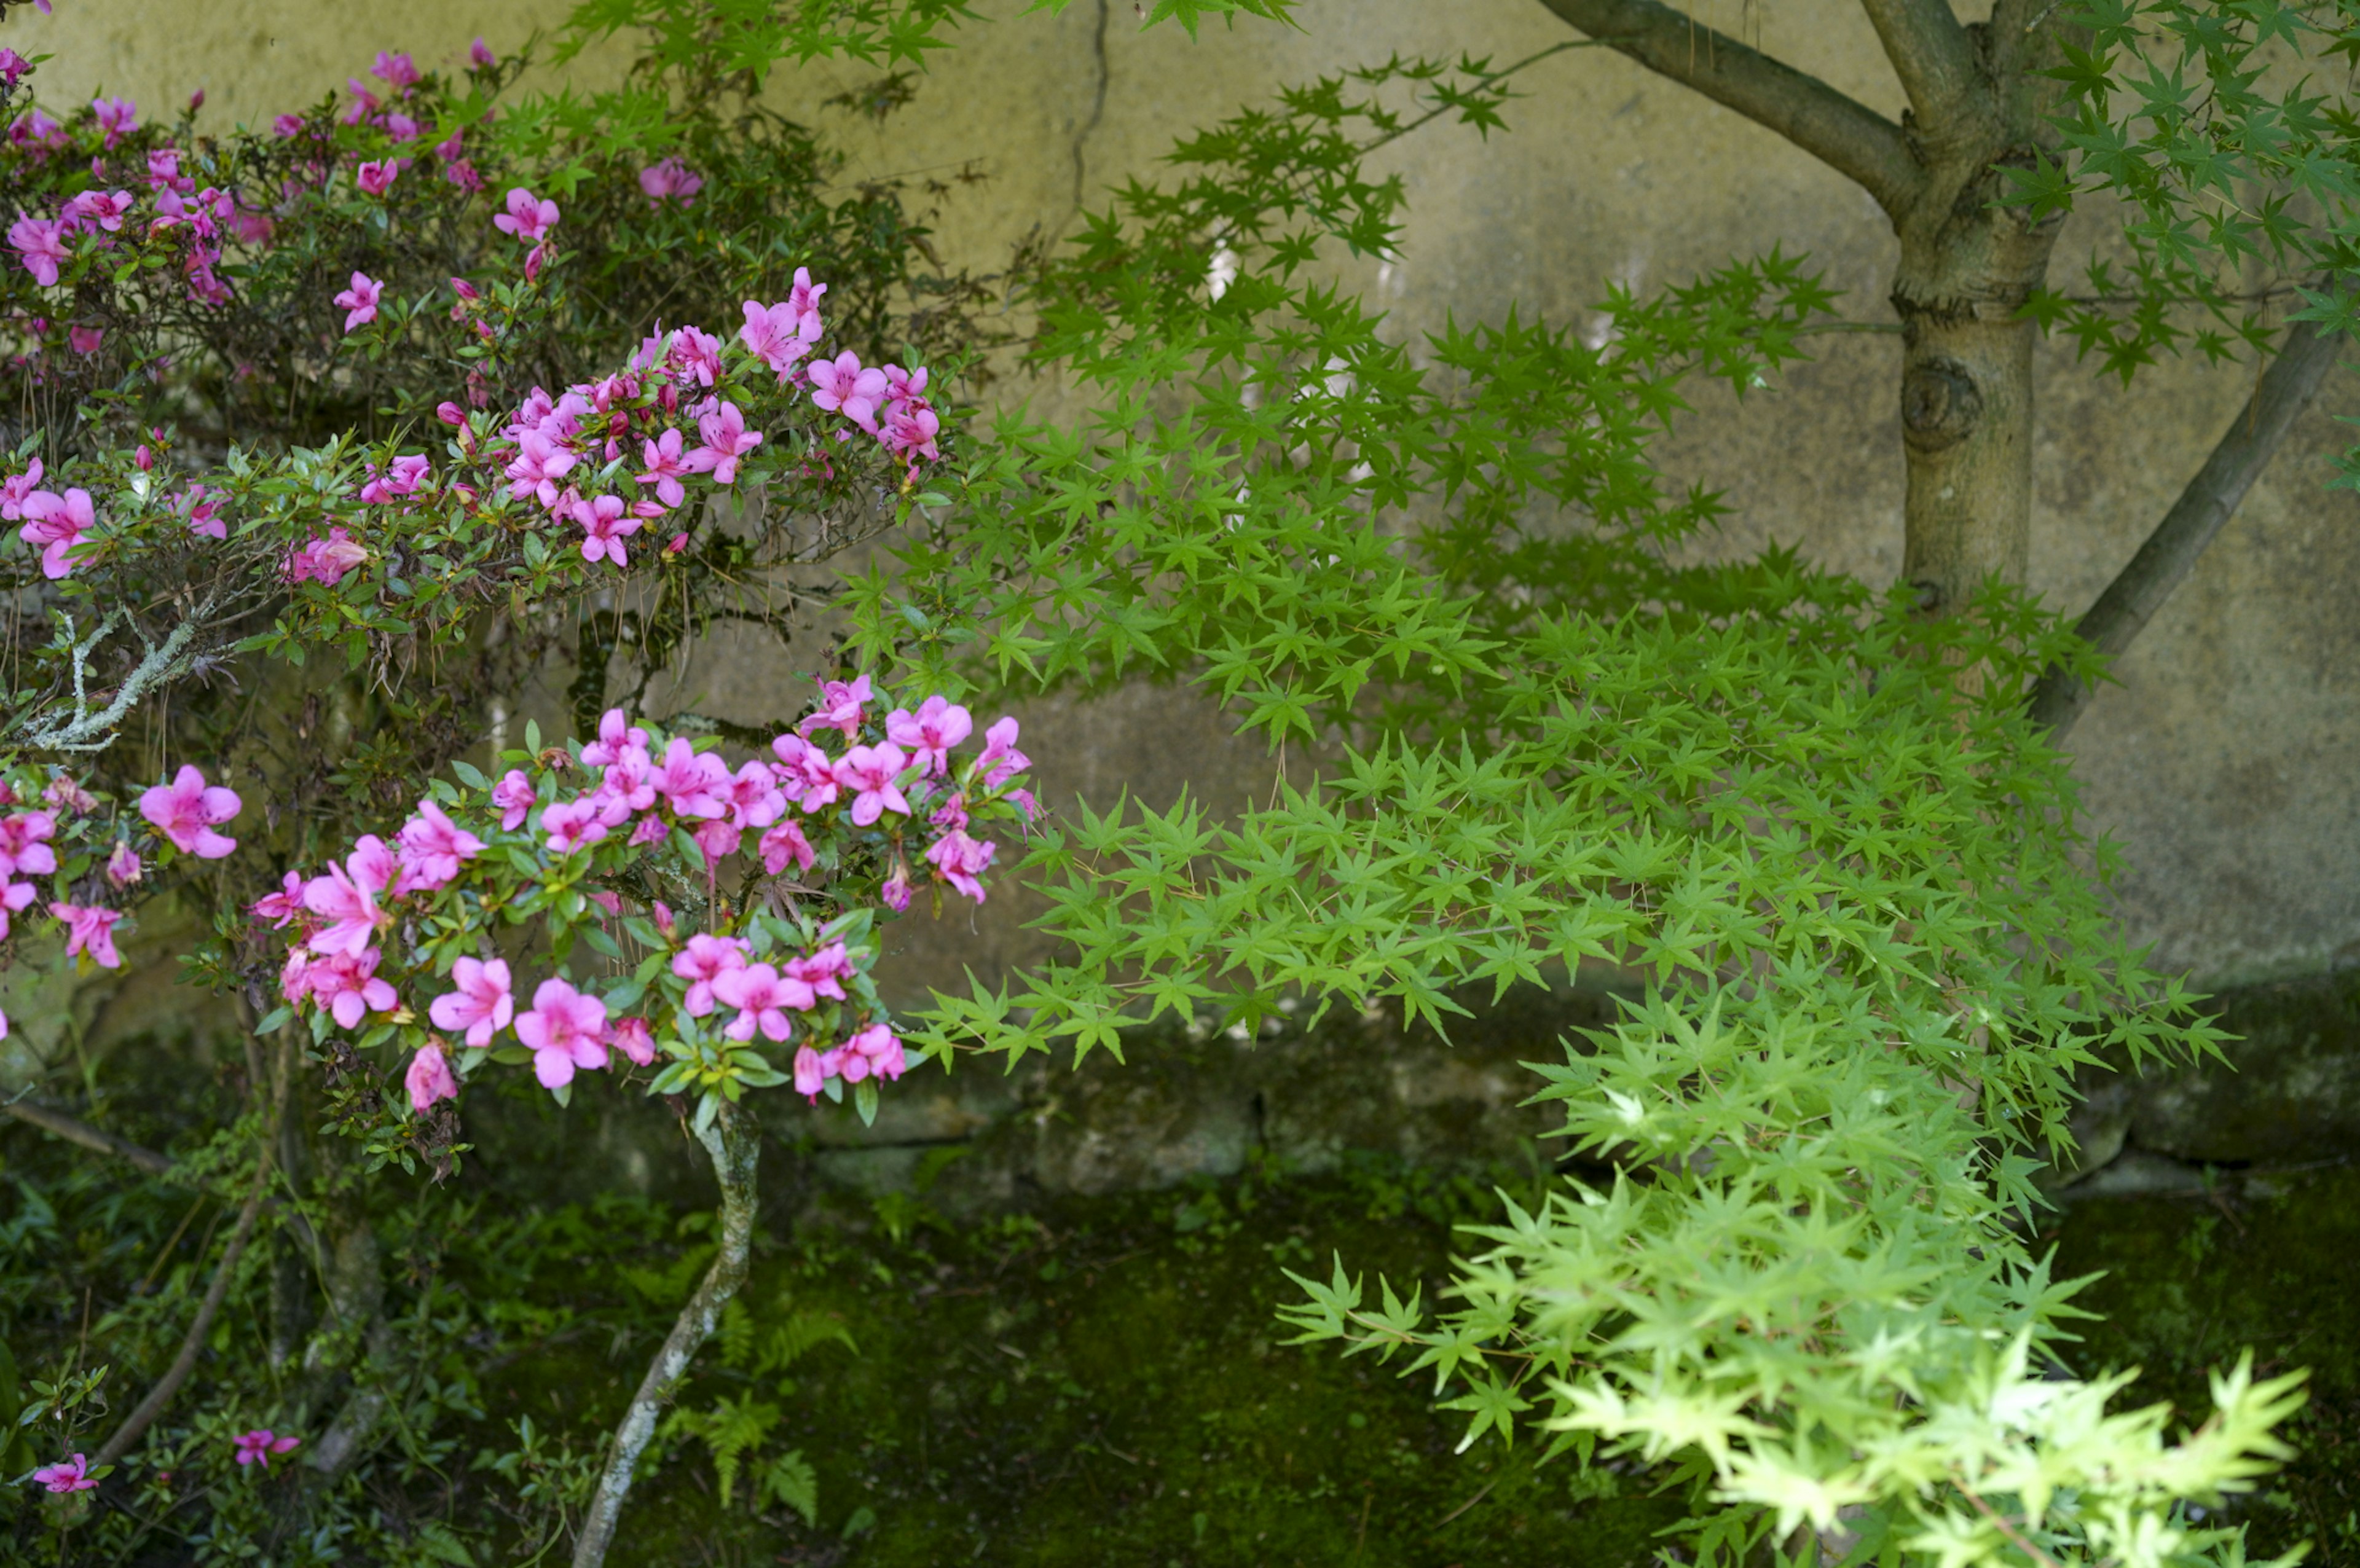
(733, 1140)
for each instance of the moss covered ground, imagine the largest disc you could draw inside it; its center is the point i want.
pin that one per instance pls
(1101, 1381)
(1089, 1380)
(2267, 1261)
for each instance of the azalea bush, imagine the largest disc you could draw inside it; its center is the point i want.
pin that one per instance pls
(299, 514)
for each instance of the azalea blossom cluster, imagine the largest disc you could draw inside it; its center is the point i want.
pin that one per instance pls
(612, 456)
(185, 814)
(154, 202)
(597, 839)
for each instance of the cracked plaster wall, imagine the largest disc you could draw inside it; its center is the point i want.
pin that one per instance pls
(2223, 761)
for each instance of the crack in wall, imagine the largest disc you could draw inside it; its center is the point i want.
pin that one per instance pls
(1097, 102)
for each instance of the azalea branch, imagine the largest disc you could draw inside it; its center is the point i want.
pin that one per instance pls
(734, 1141)
(1847, 136)
(75, 1131)
(2170, 552)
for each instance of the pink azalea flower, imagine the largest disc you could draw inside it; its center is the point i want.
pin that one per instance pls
(17, 488)
(13, 897)
(809, 1076)
(515, 797)
(951, 813)
(66, 1475)
(41, 242)
(164, 171)
(691, 782)
(256, 1447)
(376, 178)
(565, 1029)
(669, 180)
(345, 896)
(805, 775)
(839, 709)
(665, 467)
(90, 929)
(85, 339)
(803, 300)
(931, 731)
(616, 735)
(405, 476)
(823, 971)
(57, 523)
(461, 173)
(123, 867)
(696, 353)
(117, 117)
(704, 961)
(23, 849)
(282, 906)
(896, 890)
(203, 509)
(480, 54)
(960, 861)
(429, 1079)
(761, 996)
(359, 301)
(107, 208)
(868, 771)
(401, 129)
(572, 826)
(785, 846)
(528, 218)
(483, 1004)
(1000, 760)
(398, 71)
(430, 847)
(325, 560)
(187, 809)
(718, 839)
(13, 66)
(910, 431)
(540, 464)
(633, 1039)
(754, 798)
(286, 126)
(605, 525)
(841, 385)
(629, 780)
(775, 334)
(875, 1051)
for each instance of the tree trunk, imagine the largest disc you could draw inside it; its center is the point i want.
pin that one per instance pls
(1968, 267)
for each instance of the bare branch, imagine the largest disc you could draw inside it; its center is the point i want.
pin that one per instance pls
(1933, 57)
(1848, 136)
(74, 1130)
(2170, 554)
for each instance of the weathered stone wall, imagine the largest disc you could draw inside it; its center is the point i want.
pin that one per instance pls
(2223, 762)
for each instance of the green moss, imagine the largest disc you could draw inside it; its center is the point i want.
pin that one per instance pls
(2267, 1262)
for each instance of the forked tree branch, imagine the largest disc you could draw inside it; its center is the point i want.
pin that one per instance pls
(2163, 562)
(1932, 55)
(1848, 136)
